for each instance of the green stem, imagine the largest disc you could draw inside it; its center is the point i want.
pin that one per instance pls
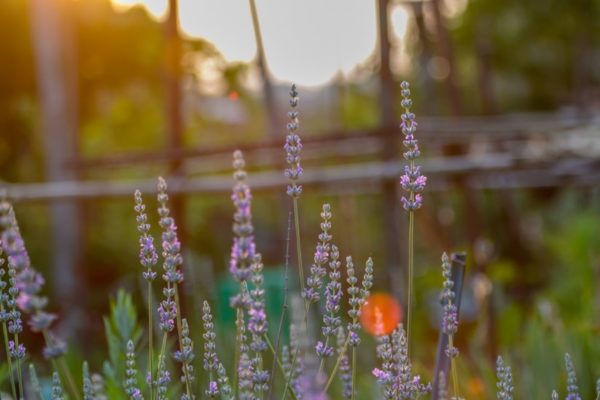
(453, 368)
(339, 360)
(69, 377)
(298, 245)
(8, 357)
(238, 344)
(353, 371)
(411, 230)
(301, 276)
(19, 374)
(278, 363)
(150, 341)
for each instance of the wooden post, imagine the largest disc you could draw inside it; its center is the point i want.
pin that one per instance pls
(59, 125)
(268, 93)
(394, 236)
(173, 99)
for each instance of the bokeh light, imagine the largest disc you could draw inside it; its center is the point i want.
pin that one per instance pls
(380, 314)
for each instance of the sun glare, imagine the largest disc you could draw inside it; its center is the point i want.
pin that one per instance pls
(309, 41)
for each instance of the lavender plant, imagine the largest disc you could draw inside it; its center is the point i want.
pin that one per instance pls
(20, 287)
(413, 182)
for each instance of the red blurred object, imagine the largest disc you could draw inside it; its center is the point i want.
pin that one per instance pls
(233, 95)
(380, 314)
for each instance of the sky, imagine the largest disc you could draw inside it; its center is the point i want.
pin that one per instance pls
(306, 41)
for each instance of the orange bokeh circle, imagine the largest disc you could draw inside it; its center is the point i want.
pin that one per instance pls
(380, 314)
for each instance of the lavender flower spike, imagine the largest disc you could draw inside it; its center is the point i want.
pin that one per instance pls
(413, 182)
(131, 385)
(148, 255)
(243, 248)
(333, 297)
(292, 148)
(171, 251)
(504, 376)
(572, 389)
(211, 361)
(450, 314)
(312, 290)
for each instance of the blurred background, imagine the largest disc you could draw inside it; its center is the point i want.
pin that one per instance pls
(99, 97)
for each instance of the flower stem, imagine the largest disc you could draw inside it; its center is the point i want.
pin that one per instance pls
(301, 276)
(150, 341)
(453, 368)
(353, 371)
(278, 363)
(285, 300)
(19, 374)
(411, 233)
(8, 357)
(63, 366)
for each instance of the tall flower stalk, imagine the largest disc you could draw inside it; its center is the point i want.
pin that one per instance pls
(293, 148)
(413, 182)
(148, 259)
(450, 318)
(169, 308)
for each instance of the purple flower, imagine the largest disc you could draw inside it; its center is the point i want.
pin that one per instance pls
(293, 147)
(16, 352)
(412, 181)
(243, 249)
(213, 389)
(257, 317)
(383, 377)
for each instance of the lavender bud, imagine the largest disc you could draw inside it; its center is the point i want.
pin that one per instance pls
(572, 389)
(504, 377)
